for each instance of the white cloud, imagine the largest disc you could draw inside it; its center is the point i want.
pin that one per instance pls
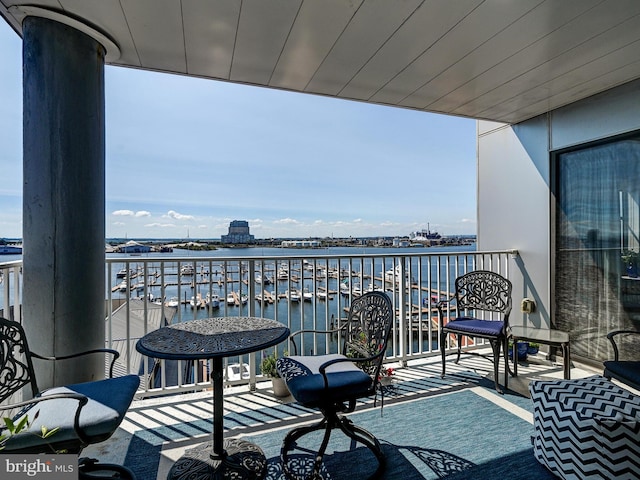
(286, 221)
(178, 216)
(160, 225)
(131, 213)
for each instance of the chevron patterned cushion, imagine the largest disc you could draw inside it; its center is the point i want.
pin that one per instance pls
(586, 428)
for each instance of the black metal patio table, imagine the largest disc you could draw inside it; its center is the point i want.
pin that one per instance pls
(213, 339)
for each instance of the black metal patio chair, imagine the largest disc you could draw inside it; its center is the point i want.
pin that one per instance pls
(82, 414)
(482, 304)
(625, 370)
(333, 383)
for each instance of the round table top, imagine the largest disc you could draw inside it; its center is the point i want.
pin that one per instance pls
(212, 337)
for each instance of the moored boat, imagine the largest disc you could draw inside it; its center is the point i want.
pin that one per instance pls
(293, 295)
(6, 249)
(213, 300)
(186, 270)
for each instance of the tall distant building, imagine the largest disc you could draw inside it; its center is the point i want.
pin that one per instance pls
(238, 233)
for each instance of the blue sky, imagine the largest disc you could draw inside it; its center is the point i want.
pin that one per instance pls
(186, 156)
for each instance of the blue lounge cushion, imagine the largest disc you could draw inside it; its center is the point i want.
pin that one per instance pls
(306, 383)
(474, 326)
(108, 403)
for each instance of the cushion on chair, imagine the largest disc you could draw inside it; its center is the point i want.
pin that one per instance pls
(108, 402)
(474, 326)
(626, 371)
(306, 384)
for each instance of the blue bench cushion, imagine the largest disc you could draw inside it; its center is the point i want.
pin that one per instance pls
(306, 383)
(109, 401)
(475, 326)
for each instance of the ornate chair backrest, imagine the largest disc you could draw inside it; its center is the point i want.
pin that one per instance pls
(368, 328)
(484, 290)
(16, 367)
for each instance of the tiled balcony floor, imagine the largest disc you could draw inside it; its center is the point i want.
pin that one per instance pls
(185, 420)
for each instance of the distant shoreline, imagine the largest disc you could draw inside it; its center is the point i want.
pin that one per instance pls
(319, 243)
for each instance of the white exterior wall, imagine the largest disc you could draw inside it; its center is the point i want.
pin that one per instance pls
(514, 199)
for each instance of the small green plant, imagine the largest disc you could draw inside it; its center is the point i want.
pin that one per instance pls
(15, 428)
(629, 257)
(268, 366)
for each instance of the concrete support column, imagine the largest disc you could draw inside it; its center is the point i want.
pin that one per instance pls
(64, 198)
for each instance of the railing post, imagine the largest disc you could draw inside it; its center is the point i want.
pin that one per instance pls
(7, 288)
(403, 300)
(251, 292)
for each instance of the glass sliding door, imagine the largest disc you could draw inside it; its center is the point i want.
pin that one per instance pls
(597, 243)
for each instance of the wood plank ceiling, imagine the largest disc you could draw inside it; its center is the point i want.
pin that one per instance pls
(500, 60)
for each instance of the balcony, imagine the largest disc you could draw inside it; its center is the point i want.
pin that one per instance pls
(157, 431)
(174, 403)
(306, 291)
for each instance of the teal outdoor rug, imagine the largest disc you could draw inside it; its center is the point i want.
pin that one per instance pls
(458, 435)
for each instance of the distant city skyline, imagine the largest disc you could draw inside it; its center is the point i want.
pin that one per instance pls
(186, 156)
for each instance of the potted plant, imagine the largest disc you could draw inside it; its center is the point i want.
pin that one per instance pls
(630, 261)
(268, 369)
(386, 376)
(522, 350)
(533, 348)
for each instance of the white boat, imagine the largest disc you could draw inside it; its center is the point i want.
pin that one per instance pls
(393, 274)
(231, 298)
(321, 294)
(173, 302)
(186, 270)
(197, 302)
(293, 295)
(374, 288)
(307, 296)
(213, 300)
(283, 274)
(123, 273)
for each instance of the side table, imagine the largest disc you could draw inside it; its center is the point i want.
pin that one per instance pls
(545, 336)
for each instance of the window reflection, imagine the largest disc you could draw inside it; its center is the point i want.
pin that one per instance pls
(597, 245)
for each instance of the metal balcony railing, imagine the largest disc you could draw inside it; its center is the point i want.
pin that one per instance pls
(300, 291)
